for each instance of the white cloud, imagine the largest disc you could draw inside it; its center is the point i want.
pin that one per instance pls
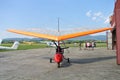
(98, 16)
(106, 21)
(88, 13)
(94, 18)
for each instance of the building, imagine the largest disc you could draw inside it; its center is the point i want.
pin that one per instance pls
(115, 23)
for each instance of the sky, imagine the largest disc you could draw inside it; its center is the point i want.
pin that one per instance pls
(25, 14)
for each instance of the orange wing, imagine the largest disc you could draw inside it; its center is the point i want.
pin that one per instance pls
(59, 38)
(73, 35)
(46, 36)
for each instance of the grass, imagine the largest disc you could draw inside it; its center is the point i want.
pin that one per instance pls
(32, 46)
(25, 46)
(39, 45)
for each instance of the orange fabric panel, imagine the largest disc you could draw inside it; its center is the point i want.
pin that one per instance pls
(46, 36)
(73, 35)
(59, 38)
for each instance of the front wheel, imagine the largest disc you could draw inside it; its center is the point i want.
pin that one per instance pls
(58, 65)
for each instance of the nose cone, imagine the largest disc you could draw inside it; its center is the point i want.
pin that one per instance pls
(58, 57)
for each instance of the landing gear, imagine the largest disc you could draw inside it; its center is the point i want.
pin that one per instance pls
(68, 60)
(50, 60)
(58, 65)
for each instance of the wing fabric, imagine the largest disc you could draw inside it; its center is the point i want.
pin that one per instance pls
(59, 38)
(78, 34)
(46, 36)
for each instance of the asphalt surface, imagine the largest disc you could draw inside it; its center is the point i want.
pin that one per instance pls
(99, 64)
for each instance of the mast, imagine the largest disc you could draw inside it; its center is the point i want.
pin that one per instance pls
(58, 31)
(58, 26)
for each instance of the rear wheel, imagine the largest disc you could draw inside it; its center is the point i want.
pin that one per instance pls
(68, 60)
(50, 60)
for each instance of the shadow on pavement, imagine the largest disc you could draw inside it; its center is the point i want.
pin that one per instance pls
(83, 61)
(91, 60)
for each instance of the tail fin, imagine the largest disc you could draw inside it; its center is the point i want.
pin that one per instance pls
(0, 41)
(15, 45)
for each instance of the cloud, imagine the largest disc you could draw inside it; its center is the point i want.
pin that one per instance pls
(98, 16)
(107, 21)
(88, 13)
(94, 18)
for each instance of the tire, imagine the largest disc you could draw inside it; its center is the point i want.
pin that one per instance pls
(50, 60)
(68, 60)
(58, 65)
